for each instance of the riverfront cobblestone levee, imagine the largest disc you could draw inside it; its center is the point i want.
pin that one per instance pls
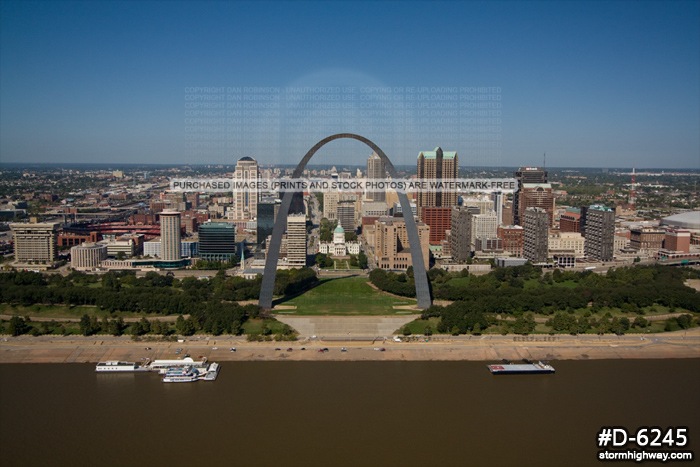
(53, 349)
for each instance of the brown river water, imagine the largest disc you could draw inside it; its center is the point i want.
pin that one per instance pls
(338, 414)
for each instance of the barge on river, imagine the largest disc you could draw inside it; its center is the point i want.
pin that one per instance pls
(520, 368)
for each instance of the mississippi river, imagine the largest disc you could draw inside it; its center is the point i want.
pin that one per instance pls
(338, 414)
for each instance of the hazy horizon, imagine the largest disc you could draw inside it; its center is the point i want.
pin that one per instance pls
(320, 165)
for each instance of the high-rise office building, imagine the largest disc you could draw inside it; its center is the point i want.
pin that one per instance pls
(460, 232)
(531, 175)
(536, 230)
(35, 242)
(376, 170)
(439, 220)
(437, 165)
(392, 251)
(170, 235)
(498, 198)
(87, 256)
(600, 233)
(507, 213)
(296, 240)
(537, 195)
(468, 225)
(217, 241)
(330, 205)
(346, 214)
(266, 218)
(484, 226)
(245, 201)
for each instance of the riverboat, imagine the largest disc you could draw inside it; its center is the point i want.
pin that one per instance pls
(190, 374)
(162, 366)
(113, 366)
(186, 374)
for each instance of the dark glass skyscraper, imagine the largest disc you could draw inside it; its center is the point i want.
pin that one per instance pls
(217, 241)
(266, 219)
(600, 233)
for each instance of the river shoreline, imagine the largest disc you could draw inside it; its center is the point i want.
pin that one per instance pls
(79, 349)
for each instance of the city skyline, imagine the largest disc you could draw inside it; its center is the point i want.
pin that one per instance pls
(590, 84)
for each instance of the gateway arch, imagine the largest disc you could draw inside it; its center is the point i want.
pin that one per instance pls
(273, 250)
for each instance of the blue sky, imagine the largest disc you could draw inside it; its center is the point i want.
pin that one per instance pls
(593, 84)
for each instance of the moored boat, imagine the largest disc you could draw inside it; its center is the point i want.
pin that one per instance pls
(162, 366)
(520, 368)
(113, 366)
(211, 373)
(186, 374)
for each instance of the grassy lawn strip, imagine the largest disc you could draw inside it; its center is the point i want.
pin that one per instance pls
(345, 296)
(255, 326)
(59, 312)
(418, 326)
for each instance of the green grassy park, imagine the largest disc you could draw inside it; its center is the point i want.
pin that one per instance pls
(345, 296)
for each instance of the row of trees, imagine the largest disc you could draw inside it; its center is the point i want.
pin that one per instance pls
(359, 260)
(210, 303)
(325, 230)
(160, 300)
(217, 265)
(567, 322)
(561, 293)
(294, 281)
(213, 318)
(629, 289)
(325, 261)
(396, 283)
(153, 293)
(504, 291)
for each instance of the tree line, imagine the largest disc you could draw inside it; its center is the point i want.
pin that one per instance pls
(209, 302)
(504, 289)
(154, 293)
(523, 290)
